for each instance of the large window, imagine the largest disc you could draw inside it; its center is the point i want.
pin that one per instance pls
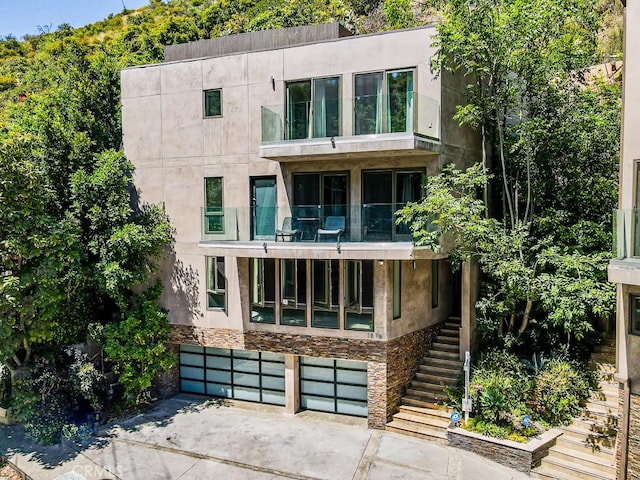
(383, 102)
(326, 294)
(213, 103)
(216, 283)
(635, 315)
(313, 108)
(213, 209)
(358, 286)
(263, 290)
(293, 292)
(383, 193)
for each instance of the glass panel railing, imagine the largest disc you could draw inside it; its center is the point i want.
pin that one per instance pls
(307, 223)
(362, 115)
(626, 233)
(219, 224)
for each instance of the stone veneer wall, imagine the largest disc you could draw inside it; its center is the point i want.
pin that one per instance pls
(391, 365)
(633, 459)
(404, 356)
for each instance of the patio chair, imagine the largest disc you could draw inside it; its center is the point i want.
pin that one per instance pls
(332, 226)
(287, 230)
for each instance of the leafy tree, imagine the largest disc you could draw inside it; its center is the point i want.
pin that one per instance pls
(138, 345)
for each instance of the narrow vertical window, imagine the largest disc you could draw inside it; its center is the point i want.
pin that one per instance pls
(213, 208)
(435, 280)
(262, 290)
(293, 292)
(216, 283)
(397, 288)
(358, 289)
(326, 284)
(635, 315)
(213, 103)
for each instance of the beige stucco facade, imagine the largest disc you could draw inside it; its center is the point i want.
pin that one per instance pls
(625, 270)
(174, 147)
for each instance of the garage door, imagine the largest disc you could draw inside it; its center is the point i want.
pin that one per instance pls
(337, 386)
(239, 374)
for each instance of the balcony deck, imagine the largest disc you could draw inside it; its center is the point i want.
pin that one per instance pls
(322, 250)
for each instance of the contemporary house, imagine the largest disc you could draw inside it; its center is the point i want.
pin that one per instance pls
(281, 157)
(625, 268)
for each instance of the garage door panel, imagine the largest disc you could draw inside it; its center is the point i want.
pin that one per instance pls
(351, 392)
(191, 386)
(318, 403)
(193, 359)
(244, 393)
(269, 368)
(351, 365)
(348, 407)
(273, 383)
(316, 373)
(192, 373)
(275, 398)
(223, 352)
(221, 363)
(246, 379)
(246, 365)
(219, 390)
(351, 376)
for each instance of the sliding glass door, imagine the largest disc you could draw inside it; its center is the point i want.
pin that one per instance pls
(313, 108)
(383, 102)
(263, 208)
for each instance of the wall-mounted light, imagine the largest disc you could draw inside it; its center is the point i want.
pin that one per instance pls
(380, 262)
(333, 142)
(273, 83)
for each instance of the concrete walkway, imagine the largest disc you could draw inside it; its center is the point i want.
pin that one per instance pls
(189, 438)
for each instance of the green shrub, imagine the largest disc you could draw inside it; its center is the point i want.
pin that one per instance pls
(5, 387)
(560, 387)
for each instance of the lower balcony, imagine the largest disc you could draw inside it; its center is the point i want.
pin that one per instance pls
(366, 231)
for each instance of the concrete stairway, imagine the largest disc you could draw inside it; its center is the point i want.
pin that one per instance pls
(586, 447)
(421, 413)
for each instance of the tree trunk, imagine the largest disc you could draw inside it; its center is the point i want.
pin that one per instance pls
(525, 317)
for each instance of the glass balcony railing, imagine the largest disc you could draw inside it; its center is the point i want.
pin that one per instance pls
(626, 233)
(363, 115)
(306, 223)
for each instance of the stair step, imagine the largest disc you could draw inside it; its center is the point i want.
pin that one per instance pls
(432, 412)
(599, 447)
(442, 370)
(419, 402)
(448, 340)
(435, 422)
(575, 471)
(445, 347)
(449, 332)
(606, 349)
(585, 429)
(584, 458)
(432, 397)
(443, 380)
(427, 387)
(444, 355)
(603, 405)
(442, 362)
(416, 430)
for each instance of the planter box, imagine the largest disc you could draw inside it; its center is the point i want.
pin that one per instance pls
(5, 417)
(520, 456)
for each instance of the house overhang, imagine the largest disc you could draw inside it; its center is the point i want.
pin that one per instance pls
(323, 251)
(360, 146)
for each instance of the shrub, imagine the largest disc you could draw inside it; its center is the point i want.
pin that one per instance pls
(5, 386)
(560, 387)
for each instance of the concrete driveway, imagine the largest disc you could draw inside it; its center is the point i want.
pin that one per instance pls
(190, 438)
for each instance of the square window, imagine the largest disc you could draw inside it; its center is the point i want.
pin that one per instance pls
(213, 103)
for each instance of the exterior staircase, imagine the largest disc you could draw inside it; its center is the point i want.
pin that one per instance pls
(421, 413)
(586, 448)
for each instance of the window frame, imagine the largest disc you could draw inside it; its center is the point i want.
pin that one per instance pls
(634, 315)
(358, 306)
(257, 266)
(297, 303)
(312, 99)
(214, 211)
(212, 266)
(385, 107)
(204, 102)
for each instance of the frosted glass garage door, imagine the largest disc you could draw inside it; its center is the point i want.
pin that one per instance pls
(336, 386)
(238, 374)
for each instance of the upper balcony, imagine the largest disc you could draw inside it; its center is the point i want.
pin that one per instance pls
(384, 123)
(367, 231)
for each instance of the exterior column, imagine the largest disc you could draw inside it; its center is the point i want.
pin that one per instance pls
(469, 294)
(292, 383)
